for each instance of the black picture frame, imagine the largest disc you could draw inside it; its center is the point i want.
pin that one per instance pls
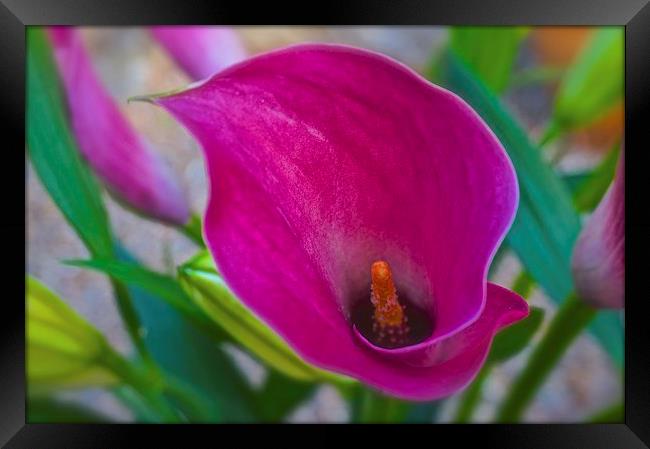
(15, 15)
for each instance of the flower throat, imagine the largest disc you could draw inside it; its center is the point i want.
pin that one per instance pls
(385, 319)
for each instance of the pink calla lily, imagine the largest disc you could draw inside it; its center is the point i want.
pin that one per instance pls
(200, 50)
(325, 159)
(599, 255)
(123, 159)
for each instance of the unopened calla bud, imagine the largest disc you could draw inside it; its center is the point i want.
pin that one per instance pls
(119, 156)
(200, 51)
(599, 255)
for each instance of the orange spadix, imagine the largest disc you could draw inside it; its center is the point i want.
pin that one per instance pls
(388, 311)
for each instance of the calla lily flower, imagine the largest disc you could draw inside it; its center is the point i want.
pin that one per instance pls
(201, 50)
(355, 207)
(599, 255)
(123, 159)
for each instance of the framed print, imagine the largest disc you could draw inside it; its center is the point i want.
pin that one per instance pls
(388, 213)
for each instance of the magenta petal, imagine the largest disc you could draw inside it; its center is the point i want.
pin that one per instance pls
(201, 50)
(117, 154)
(599, 255)
(323, 159)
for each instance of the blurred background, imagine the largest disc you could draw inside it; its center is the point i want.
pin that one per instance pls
(130, 63)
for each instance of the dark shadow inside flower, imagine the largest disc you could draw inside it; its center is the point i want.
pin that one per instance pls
(419, 324)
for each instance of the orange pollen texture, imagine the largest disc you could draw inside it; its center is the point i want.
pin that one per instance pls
(388, 311)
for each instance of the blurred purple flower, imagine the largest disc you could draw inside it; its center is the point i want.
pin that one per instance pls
(325, 161)
(124, 161)
(599, 255)
(201, 50)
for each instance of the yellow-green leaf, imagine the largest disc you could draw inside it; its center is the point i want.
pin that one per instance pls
(513, 339)
(63, 349)
(489, 51)
(208, 290)
(592, 85)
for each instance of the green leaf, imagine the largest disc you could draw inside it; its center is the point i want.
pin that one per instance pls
(536, 75)
(423, 412)
(54, 153)
(471, 396)
(280, 396)
(592, 85)
(569, 321)
(142, 411)
(574, 180)
(63, 349)
(192, 229)
(489, 51)
(590, 190)
(201, 281)
(57, 161)
(50, 410)
(191, 356)
(169, 336)
(523, 284)
(158, 285)
(546, 225)
(513, 339)
(372, 407)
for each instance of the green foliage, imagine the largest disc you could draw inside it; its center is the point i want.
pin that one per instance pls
(209, 291)
(57, 161)
(49, 410)
(590, 190)
(67, 179)
(186, 353)
(507, 343)
(280, 395)
(171, 328)
(423, 412)
(472, 396)
(54, 153)
(372, 407)
(158, 285)
(489, 51)
(63, 349)
(592, 85)
(513, 339)
(569, 321)
(192, 230)
(546, 224)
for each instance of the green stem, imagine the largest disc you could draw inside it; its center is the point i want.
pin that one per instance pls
(535, 76)
(523, 284)
(151, 385)
(148, 387)
(132, 322)
(561, 150)
(190, 400)
(552, 132)
(571, 318)
(470, 398)
(192, 230)
(374, 407)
